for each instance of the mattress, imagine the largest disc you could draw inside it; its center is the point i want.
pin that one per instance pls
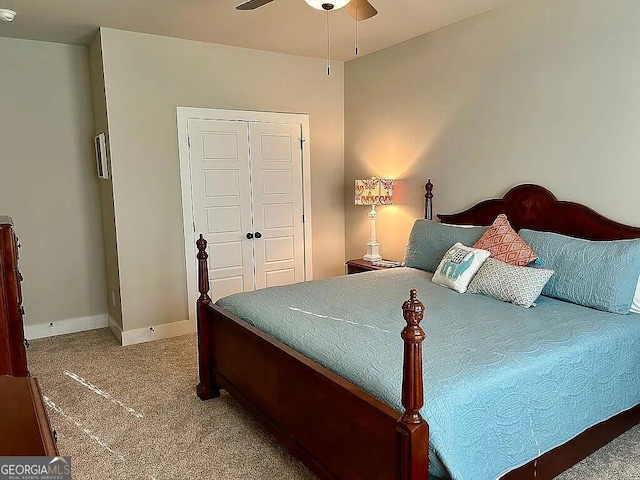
(503, 384)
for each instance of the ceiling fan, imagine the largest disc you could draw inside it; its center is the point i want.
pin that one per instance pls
(358, 9)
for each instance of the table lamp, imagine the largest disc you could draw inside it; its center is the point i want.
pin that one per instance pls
(373, 191)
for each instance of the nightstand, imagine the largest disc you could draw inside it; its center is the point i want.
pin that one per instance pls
(358, 265)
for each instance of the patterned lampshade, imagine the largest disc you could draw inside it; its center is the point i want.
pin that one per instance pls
(374, 191)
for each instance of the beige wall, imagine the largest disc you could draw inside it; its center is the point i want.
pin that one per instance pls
(543, 91)
(106, 186)
(147, 77)
(48, 182)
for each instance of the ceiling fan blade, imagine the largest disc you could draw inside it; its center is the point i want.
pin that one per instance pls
(252, 4)
(361, 9)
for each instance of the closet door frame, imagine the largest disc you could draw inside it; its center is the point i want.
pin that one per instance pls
(184, 114)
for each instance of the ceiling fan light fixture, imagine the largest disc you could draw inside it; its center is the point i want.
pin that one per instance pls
(7, 15)
(322, 4)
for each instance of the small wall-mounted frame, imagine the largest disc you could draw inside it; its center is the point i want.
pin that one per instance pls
(100, 143)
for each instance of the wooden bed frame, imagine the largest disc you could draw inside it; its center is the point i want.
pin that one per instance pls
(338, 430)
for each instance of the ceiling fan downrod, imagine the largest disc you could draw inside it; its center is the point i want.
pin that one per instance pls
(328, 38)
(356, 22)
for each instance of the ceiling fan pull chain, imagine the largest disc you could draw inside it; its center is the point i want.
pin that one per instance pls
(328, 46)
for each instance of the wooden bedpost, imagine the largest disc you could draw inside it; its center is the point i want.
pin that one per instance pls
(203, 271)
(205, 389)
(428, 197)
(412, 430)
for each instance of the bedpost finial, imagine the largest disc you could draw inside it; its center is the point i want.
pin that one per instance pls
(428, 200)
(413, 310)
(429, 188)
(201, 243)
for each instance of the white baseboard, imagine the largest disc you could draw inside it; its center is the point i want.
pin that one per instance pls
(115, 329)
(156, 332)
(61, 327)
(127, 337)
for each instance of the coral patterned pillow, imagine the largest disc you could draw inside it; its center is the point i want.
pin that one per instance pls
(505, 244)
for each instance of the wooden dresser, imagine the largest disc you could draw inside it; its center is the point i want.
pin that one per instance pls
(13, 357)
(24, 425)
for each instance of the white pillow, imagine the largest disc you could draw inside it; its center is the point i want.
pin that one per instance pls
(458, 266)
(635, 306)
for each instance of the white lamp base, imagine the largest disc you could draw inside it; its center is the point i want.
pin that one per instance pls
(373, 252)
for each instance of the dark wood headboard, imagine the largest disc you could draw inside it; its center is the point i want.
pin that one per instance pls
(535, 207)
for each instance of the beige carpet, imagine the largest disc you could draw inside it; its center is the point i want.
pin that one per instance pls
(131, 412)
(177, 436)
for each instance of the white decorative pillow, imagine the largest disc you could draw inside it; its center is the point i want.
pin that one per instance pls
(510, 283)
(458, 266)
(635, 305)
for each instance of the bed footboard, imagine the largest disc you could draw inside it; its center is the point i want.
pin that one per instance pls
(335, 428)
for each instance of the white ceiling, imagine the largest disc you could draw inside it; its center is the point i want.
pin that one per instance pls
(288, 26)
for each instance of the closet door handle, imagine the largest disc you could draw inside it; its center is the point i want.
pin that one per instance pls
(258, 235)
(249, 236)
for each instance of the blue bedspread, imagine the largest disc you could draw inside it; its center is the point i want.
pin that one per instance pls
(503, 384)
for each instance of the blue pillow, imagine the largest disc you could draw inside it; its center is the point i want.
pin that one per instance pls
(600, 275)
(429, 241)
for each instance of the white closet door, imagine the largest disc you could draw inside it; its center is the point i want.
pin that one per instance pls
(276, 167)
(220, 182)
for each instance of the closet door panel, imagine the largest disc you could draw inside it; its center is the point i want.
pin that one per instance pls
(276, 166)
(220, 182)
